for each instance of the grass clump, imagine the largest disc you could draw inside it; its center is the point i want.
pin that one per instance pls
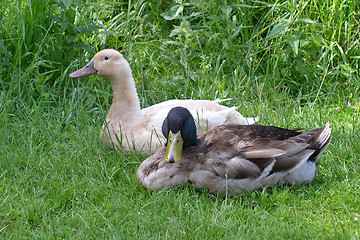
(293, 64)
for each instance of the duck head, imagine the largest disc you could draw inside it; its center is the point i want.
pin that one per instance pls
(179, 130)
(106, 63)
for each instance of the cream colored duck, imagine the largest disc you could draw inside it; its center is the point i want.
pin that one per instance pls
(231, 159)
(129, 126)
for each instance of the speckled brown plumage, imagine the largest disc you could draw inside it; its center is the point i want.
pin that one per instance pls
(236, 158)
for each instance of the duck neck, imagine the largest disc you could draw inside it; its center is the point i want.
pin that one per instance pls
(125, 98)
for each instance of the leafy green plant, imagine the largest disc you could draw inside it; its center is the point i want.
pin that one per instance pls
(37, 42)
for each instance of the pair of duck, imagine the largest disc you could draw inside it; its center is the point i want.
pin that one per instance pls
(231, 157)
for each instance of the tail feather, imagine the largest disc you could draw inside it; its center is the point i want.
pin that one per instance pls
(321, 143)
(318, 140)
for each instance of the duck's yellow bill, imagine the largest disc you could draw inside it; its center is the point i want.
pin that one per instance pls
(174, 147)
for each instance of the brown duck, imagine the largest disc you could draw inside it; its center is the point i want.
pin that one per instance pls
(231, 159)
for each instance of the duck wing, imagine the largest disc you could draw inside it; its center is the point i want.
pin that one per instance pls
(241, 158)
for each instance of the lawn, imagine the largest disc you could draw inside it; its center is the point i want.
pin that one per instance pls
(293, 64)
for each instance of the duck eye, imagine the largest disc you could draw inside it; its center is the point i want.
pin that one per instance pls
(106, 58)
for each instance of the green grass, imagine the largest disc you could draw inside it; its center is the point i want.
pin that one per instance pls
(293, 64)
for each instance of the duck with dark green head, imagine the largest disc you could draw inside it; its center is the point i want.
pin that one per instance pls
(180, 132)
(231, 159)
